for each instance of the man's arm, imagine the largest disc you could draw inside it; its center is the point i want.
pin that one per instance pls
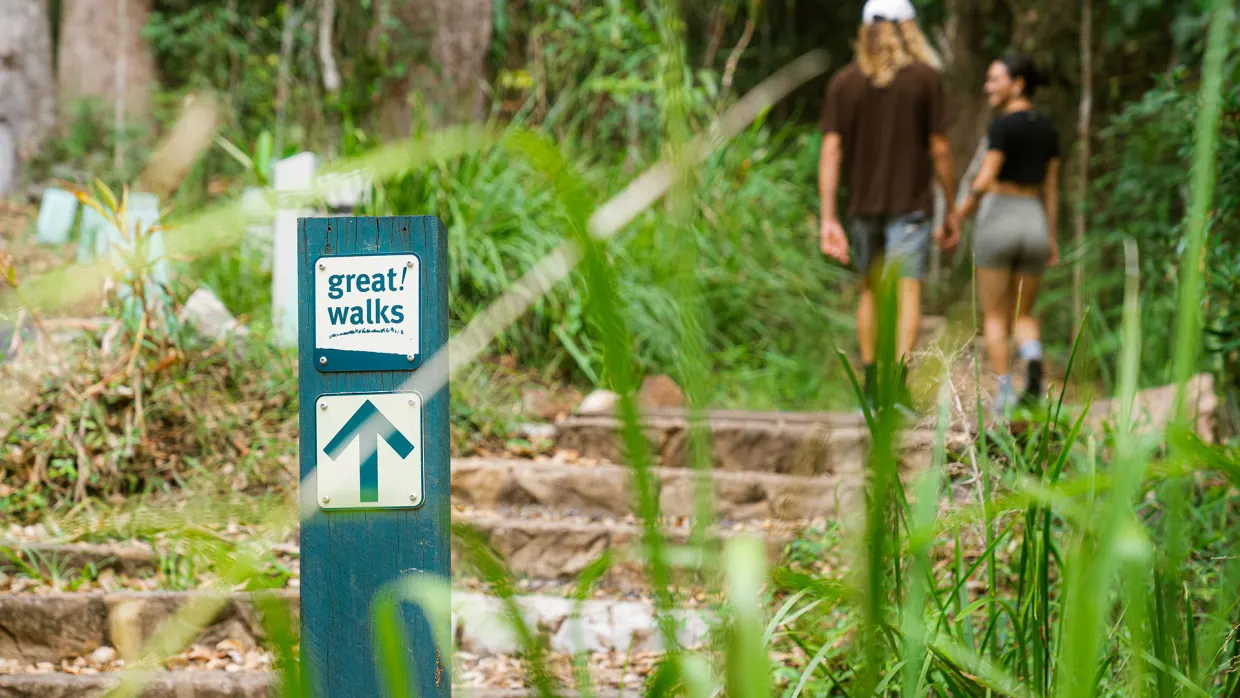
(944, 165)
(829, 175)
(834, 242)
(945, 173)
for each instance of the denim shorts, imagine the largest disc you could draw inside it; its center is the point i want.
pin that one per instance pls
(901, 239)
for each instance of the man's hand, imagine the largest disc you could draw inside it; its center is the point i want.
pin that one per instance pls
(1054, 258)
(834, 241)
(948, 235)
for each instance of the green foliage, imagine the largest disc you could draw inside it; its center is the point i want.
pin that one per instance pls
(240, 279)
(84, 150)
(1143, 195)
(232, 50)
(46, 568)
(767, 299)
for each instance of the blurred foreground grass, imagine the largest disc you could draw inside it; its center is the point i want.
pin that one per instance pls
(1080, 568)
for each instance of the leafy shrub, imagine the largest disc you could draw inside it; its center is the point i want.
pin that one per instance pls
(771, 314)
(1143, 195)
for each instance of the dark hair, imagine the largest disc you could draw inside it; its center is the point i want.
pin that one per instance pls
(1020, 66)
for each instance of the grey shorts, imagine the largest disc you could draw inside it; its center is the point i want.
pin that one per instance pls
(902, 239)
(1011, 234)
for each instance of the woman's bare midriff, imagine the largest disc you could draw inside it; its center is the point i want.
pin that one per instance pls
(1030, 191)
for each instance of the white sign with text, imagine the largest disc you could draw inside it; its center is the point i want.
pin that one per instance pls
(367, 307)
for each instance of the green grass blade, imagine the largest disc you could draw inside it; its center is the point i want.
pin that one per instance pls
(1188, 334)
(748, 665)
(921, 538)
(1096, 555)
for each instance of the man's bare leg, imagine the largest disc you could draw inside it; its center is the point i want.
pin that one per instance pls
(867, 325)
(867, 338)
(910, 317)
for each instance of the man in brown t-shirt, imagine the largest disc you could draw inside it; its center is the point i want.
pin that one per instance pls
(885, 127)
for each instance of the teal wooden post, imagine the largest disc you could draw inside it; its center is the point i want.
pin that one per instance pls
(372, 302)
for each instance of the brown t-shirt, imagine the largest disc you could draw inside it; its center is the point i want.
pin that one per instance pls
(885, 133)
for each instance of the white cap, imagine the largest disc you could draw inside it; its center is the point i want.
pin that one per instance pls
(891, 10)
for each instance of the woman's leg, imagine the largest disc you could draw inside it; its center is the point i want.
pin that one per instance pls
(1027, 332)
(1026, 289)
(992, 291)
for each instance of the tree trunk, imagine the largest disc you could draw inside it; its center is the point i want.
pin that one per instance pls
(964, 75)
(100, 58)
(1082, 172)
(437, 53)
(403, 38)
(459, 50)
(27, 85)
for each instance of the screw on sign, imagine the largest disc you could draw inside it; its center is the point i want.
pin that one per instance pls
(372, 300)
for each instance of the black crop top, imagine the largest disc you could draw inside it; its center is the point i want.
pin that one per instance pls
(1028, 141)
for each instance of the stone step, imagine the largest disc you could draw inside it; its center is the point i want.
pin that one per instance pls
(57, 627)
(201, 684)
(606, 490)
(787, 443)
(52, 627)
(561, 548)
(171, 684)
(536, 543)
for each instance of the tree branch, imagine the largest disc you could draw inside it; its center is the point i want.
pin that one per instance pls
(331, 74)
(734, 58)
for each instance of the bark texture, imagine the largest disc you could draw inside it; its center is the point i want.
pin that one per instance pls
(966, 62)
(27, 85)
(459, 50)
(91, 39)
(437, 49)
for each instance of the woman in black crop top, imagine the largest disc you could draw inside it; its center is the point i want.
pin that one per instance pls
(1014, 238)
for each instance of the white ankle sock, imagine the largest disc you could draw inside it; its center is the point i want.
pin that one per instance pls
(1031, 350)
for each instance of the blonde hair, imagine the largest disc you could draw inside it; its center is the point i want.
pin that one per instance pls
(883, 48)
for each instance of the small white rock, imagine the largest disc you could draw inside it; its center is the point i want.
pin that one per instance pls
(208, 315)
(633, 627)
(537, 431)
(592, 631)
(483, 628)
(598, 402)
(103, 655)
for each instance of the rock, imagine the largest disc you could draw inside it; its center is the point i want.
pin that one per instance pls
(49, 628)
(1154, 409)
(545, 614)
(559, 552)
(124, 629)
(589, 632)
(103, 655)
(538, 432)
(482, 626)
(660, 392)
(136, 617)
(481, 486)
(209, 317)
(632, 625)
(604, 490)
(544, 404)
(598, 402)
(694, 629)
(199, 684)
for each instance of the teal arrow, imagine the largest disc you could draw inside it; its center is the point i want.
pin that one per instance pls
(368, 425)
